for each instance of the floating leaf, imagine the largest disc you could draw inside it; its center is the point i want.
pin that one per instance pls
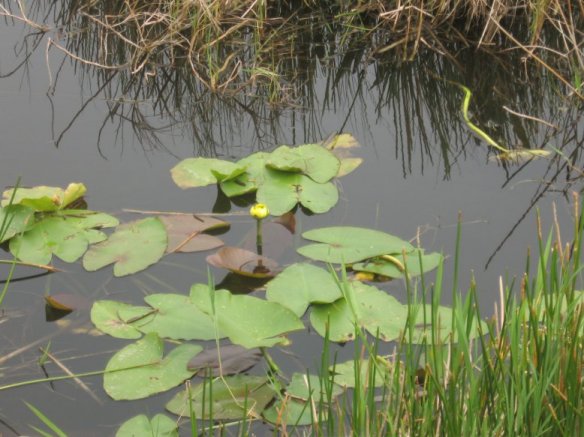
(185, 232)
(339, 145)
(147, 371)
(254, 176)
(133, 247)
(299, 285)
(246, 320)
(345, 372)
(307, 387)
(521, 155)
(67, 301)
(313, 160)
(172, 316)
(200, 172)
(234, 359)
(43, 198)
(242, 396)
(387, 267)
(66, 236)
(243, 262)
(105, 317)
(281, 191)
(289, 412)
(14, 220)
(159, 426)
(374, 310)
(345, 244)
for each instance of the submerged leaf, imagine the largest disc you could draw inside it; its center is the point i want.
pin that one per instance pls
(133, 247)
(248, 321)
(233, 358)
(233, 397)
(147, 372)
(43, 198)
(364, 306)
(200, 172)
(159, 426)
(185, 232)
(243, 262)
(299, 285)
(346, 244)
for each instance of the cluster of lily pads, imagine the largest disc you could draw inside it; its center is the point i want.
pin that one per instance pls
(47, 221)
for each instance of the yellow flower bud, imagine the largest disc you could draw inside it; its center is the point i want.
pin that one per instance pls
(259, 211)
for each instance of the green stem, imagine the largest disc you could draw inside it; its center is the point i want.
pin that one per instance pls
(259, 237)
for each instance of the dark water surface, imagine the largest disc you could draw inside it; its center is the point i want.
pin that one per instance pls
(421, 167)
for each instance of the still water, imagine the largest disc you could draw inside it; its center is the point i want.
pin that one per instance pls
(61, 122)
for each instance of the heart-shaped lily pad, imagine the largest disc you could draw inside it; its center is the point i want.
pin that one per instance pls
(159, 426)
(290, 412)
(233, 397)
(133, 247)
(346, 244)
(395, 265)
(227, 360)
(45, 198)
(66, 236)
(105, 316)
(254, 176)
(299, 285)
(312, 160)
(345, 372)
(200, 172)
(305, 387)
(14, 220)
(243, 262)
(248, 321)
(147, 372)
(185, 232)
(371, 309)
(281, 191)
(172, 316)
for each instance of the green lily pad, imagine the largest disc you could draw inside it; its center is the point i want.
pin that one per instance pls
(150, 372)
(305, 387)
(246, 320)
(68, 237)
(345, 372)
(242, 396)
(254, 176)
(281, 191)
(159, 426)
(290, 412)
(346, 244)
(172, 316)
(133, 247)
(200, 172)
(385, 267)
(299, 285)
(375, 311)
(424, 329)
(105, 317)
(45, 198)
(14, 220)
(312, 160)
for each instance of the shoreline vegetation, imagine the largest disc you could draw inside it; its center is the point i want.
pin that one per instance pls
(237, 46)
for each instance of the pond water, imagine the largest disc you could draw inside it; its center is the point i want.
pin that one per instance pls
(422, 166)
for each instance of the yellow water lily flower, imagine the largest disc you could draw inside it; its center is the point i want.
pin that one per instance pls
(259, 211)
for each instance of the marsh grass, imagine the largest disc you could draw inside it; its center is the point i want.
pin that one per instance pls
(523, 376)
